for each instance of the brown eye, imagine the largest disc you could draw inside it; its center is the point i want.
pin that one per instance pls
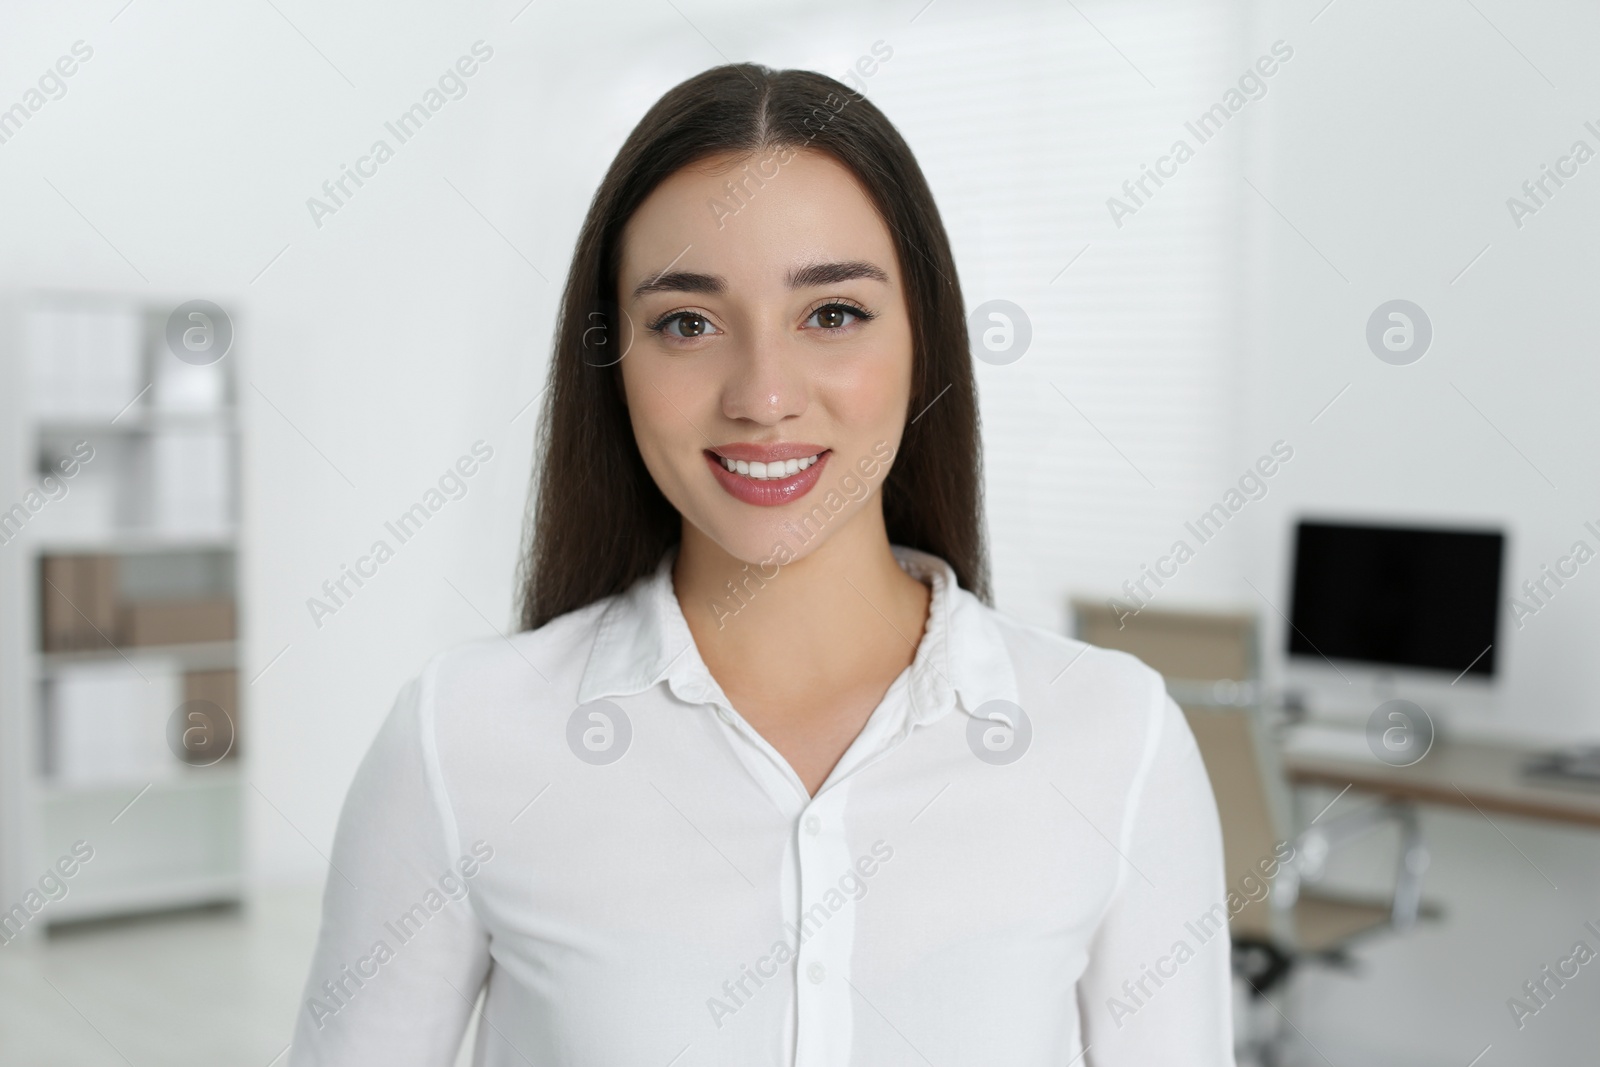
(686, 325)
(837, 316)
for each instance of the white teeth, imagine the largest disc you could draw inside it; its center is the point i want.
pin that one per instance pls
(769, 471)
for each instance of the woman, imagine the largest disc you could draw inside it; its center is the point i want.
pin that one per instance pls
(765, 780)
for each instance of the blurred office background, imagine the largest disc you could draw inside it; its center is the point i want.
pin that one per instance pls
(1205, 321)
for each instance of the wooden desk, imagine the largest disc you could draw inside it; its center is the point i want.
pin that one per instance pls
(1485, 776)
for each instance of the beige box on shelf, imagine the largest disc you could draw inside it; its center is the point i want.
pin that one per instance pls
(78, 603)
(222, 689)
(178, 622)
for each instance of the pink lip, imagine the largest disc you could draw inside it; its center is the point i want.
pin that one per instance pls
(752, 453)
(767, 493)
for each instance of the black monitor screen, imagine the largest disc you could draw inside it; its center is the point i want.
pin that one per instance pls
(1405, 596)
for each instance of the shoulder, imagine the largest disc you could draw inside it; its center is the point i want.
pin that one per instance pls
(483, 718)
(1048, 662)
(478, 680)
(1081, 698)
(1103, 726)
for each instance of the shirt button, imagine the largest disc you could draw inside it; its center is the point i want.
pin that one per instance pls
(813, 825)
(725, 715)
(816, 972)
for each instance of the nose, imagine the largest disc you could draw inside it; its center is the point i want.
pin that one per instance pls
(766, 382)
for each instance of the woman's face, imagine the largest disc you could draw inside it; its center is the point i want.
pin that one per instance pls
(769, 331)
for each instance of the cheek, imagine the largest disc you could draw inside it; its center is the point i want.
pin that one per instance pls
(871, 391)
(664, 410)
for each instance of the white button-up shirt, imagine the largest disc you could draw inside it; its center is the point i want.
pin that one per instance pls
(1017, 862)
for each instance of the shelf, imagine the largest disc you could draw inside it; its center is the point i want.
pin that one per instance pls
(134, 542)
(224, 775)
(180, 892)
(162, 497)
(137, 421)
(200, 656)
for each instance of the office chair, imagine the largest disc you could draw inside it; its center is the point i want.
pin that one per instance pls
(1210, 662)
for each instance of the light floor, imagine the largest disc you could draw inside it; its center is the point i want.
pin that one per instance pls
(213, 988)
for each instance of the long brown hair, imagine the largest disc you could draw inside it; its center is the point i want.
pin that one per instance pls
(599, 522)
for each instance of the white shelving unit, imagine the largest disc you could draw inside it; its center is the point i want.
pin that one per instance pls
(166, 836)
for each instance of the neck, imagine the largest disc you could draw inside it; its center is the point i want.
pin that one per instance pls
(846, 601)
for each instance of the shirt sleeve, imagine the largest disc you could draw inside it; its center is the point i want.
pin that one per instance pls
(1158, 986)
(401, 954)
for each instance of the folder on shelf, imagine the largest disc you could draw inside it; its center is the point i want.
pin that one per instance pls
(84, 360)
(106, 722)
(191, 480)
(89, 504)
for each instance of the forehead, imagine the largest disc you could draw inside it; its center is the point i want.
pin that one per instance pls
(752, 220)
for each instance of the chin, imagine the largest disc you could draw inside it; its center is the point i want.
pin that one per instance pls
(763, 541)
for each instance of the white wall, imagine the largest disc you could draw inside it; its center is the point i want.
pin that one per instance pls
(1392, 145)
(1393, 149)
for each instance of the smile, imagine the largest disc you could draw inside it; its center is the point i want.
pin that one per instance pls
(770, 481)
(776, 470)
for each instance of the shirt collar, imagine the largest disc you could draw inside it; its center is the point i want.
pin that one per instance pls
(643, 640)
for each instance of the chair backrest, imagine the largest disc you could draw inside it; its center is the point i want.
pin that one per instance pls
(1209, 661)
(1189, 646)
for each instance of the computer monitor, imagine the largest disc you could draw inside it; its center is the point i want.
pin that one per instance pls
(1397, 597)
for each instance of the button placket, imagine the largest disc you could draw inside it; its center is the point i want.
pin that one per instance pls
(825, 1013)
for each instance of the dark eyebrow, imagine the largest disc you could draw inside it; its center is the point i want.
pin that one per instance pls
(688, 281)
(833, 273)
(681, 281)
